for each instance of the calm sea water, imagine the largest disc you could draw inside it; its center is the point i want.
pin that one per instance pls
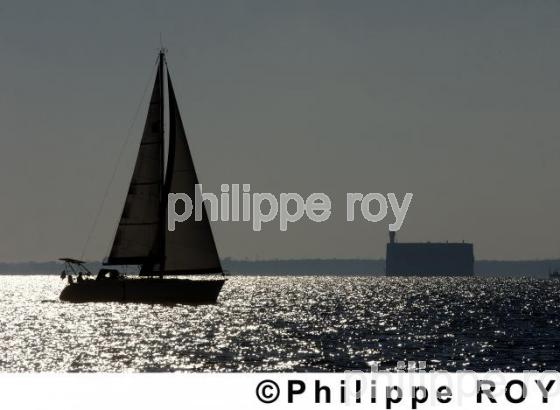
(289, 324)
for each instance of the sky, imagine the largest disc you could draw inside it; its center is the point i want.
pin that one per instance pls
(456, 102)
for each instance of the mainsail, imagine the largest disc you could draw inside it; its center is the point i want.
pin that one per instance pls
(137, 240)
(190, 248)
(142, 237)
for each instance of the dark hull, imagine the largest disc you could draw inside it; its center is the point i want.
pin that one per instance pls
(165, 291)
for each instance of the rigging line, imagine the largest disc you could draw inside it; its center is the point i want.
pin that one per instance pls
(119, 157)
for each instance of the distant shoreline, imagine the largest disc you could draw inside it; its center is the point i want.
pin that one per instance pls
(374, 267)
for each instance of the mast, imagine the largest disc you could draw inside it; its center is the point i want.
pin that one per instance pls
(163, 200)
(142, 237)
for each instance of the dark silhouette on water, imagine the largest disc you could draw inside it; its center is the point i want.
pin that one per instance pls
(429, 259)
(142, 238)
(331, 266)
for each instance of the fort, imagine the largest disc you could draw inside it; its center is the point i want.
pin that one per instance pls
(429, 258)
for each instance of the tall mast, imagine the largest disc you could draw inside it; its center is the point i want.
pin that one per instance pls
(163, 202)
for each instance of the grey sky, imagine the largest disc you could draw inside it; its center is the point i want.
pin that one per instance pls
(454, 101)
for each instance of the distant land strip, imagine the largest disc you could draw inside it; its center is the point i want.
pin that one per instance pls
(374, 267)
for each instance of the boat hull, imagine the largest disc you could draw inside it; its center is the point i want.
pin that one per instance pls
(128, 290)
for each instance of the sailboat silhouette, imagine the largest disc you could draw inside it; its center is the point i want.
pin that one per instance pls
(142, 238)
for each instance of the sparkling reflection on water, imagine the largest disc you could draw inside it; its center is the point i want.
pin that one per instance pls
(289, 324)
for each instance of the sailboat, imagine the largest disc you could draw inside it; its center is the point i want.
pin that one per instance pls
(141, 239)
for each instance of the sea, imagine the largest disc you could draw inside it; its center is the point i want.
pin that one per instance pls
(289, 323)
